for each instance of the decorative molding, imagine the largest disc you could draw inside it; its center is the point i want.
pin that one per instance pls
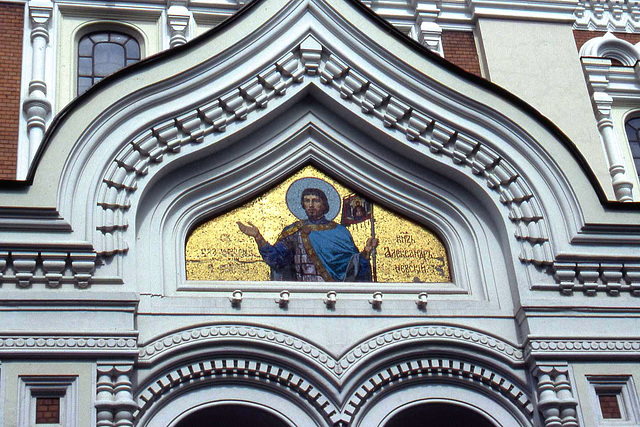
(247, 369)
(602, 102)
(610, 46)
(52, 268)
(441, 369)
(555, 398)
(114, 399)
(544, 10)
(593, 277)
(397, 375)
(338, 367)
(608, 85)
(458, 15)
(22, 219)
(608, 15)
(585, 347)
(313, 61)
(178, 17)
(68, 344)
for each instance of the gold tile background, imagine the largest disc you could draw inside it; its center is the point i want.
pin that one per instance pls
(217, 250)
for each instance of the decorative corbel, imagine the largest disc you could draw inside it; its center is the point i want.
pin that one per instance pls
(178, 18)
(429, 33)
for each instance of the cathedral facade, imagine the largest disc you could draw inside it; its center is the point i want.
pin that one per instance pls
(320, 213)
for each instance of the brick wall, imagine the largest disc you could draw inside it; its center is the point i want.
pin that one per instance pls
(11, 25)
(460, 48)
(582, 36)
(47, 410)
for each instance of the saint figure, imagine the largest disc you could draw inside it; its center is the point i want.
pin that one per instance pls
(314, 249)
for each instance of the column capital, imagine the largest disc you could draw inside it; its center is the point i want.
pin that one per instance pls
(40, 12)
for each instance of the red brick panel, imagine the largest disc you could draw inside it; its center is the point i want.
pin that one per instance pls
(11, 25)
(460, 48)
(610, 406)
(47, 410)
(582, 36)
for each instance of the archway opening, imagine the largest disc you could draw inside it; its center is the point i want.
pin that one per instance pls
(231, 416)
(438, 414)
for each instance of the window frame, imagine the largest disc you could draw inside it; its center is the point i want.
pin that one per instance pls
(623, 387)
(633, 115)
(32, 387)
(89, 30)
(109, 33)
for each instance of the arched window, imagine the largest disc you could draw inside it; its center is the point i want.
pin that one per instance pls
(633, 135)
(103, 53)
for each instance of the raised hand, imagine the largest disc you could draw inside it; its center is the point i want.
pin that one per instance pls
(251, 230)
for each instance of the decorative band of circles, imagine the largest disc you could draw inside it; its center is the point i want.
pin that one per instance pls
(54, 343)
(340, 366)
(587, 345)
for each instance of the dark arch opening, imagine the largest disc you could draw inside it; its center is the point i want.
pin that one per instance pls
(231, 416)
(438, 415)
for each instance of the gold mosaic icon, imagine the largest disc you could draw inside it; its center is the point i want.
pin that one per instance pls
(290, 233)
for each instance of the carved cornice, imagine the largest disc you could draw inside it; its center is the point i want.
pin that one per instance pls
(52, 268)
(311, 60)
(592, 278)
(608, 15)
(338, 367)
(571, 348)
(122, 345)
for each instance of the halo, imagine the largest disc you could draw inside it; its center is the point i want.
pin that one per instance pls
(298, 186)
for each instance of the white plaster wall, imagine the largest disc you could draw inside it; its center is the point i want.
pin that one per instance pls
(538, 62)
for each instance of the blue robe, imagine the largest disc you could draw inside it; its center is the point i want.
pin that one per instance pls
(327, 244)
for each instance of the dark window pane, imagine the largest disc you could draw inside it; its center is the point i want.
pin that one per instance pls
(118, 38)
(109, 58)
(99, 37)
(84, 83)
(85, 48)
(103, 53)
(85, 67)
(632, 127)
(133, 49)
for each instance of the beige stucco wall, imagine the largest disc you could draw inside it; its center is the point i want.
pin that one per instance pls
(589, 406)
(13, 371)
(538, 62)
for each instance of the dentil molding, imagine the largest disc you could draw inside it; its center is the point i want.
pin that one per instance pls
(178, 341)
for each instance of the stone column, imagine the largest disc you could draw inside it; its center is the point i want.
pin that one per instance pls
(114, 396)
(596, 70)
(555, 398)
(36, 106)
